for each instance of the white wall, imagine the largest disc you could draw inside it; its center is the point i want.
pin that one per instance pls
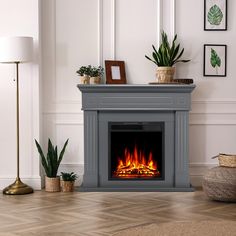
(19, 18)
(78, 32)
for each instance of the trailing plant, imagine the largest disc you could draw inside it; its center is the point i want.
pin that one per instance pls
(167, 55)
(52, 161)
(68, 176)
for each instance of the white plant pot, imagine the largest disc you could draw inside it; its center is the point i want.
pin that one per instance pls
(165, 74)
(95, 80)
(84, 79)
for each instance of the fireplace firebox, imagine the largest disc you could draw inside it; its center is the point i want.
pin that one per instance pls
(136, 150)
(136, 137)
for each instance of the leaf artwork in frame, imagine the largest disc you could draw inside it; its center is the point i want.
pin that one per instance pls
(215, 15)
(215, 56)
(215, 60)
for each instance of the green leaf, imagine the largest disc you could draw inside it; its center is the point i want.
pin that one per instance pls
(215, 59)
(43, 159)
(62, 153)
(215, 15)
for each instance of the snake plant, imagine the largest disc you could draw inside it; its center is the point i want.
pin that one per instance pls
(52, 161)
(167, 55)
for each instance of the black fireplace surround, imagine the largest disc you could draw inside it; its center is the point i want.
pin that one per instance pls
(136, 137)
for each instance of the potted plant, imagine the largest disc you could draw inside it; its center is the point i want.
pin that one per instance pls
(95, 75)
(68, 181)
(165, 57)
(51, 164)
(84, 73)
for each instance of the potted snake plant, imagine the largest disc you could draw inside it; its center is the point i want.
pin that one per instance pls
(167, 55)
(51, 163)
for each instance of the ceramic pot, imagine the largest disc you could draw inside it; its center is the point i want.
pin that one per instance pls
(95, 80)
(84, 79)
(165, 74)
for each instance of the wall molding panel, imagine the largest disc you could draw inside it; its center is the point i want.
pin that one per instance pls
(61, 113)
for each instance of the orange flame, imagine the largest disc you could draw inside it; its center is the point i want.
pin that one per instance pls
(136, 164)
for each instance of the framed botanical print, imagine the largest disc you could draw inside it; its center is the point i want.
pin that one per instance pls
(215, 56)
(115, 72)
(215, 15)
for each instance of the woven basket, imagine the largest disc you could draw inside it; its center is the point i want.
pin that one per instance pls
(52, 184)
(67, 186)
(227, 160)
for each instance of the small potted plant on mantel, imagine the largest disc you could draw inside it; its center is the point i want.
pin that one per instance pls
(90, 75)
(68, 181)
(51, 164)
(96, 74)
(83, 73)
(165, 58)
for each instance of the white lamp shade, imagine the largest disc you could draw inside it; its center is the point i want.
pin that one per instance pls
(16, 49)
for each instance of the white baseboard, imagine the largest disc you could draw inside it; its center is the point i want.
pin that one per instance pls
(34, 182)
(196, 172)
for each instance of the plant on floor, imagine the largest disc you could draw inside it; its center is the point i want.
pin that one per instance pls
(51, 163)
(68, 180)
(68, 176)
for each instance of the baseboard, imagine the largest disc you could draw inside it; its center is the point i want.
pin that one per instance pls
(34, 182)
(196, 172)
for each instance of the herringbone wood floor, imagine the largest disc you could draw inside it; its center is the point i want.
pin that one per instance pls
(102, 213)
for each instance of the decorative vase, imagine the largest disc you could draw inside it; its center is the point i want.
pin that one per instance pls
(84, 79)
(52, 184)
(95, 80)
(67, 186)
(165, 74)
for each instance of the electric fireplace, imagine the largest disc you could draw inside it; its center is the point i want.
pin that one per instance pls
(136, 137)
(136, 150)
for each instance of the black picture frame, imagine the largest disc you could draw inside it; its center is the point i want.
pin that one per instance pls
(215, 60)
(209, 7)
(115, 72)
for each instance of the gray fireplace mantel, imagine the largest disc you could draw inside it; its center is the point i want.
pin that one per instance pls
(112, 103)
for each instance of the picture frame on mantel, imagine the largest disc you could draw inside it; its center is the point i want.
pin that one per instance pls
(115, 72)
(215, 56)
(215, 15)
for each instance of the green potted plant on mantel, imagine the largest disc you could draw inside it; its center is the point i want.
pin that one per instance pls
(83, 73)
(165, 58)
(51, 164)
(90, 75)
(96, 74)
(68, 181)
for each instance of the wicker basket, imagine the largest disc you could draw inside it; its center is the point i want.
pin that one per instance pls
(52, 184)
(227, 160)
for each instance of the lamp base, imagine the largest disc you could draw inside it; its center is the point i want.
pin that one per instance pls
(17, 188)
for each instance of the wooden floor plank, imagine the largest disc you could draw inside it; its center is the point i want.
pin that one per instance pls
(102, 214)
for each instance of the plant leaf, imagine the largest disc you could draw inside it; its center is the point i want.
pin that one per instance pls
(62, 153)
(215, 15)
(215, 59)
(43, 159)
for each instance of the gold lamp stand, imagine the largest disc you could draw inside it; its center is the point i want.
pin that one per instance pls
(18, 187)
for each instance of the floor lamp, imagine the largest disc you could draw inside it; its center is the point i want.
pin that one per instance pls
(16, 50)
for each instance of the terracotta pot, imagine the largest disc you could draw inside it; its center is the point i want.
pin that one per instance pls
(84, 79)
(52, 184)
(95, 80)
(165, 74)
(67, 186)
